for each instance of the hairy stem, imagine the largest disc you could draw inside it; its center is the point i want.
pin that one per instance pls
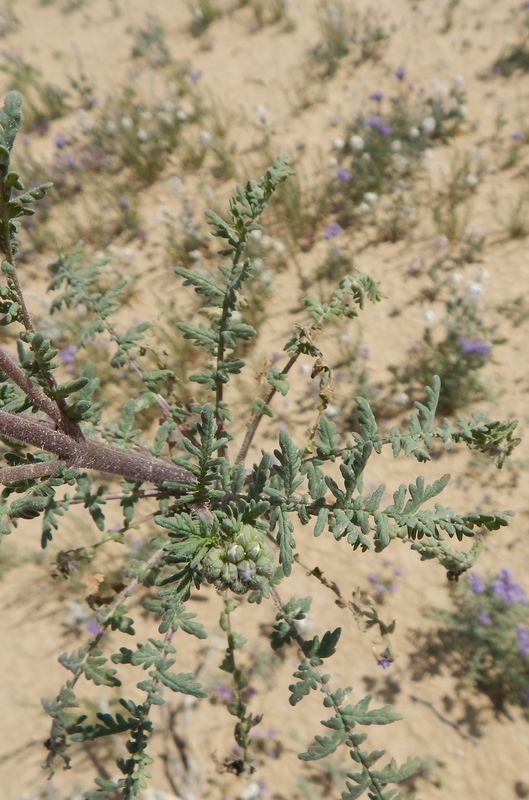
(87, 454)
(37, 396)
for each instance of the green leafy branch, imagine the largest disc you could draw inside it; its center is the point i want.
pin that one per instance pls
(310, 677)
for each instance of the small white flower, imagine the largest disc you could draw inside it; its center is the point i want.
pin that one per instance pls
(338, 143)
(258, 263)
(344, 337)
(396, 146)
(205, 137)
(428, 152)
(471, 180)
(481, 274)
(146, 115)
(332, 410)
(180, 114)
(165, 117)
(400, 399)
(456, 277)
(462, 111)
(161, 214)
(428, 315)
(262, 112)
(366, 156)
(332, 162)
(428, 124)
(111, 126)
(475, 291)
(267, 276)
(458, 81)
(167, 106)
(441, 241)
(305, 369)
(364, 208)
(126, 123)
(414, 133)
(256, 235)
(279, 247)
(439, 87)
(195, 255)
(176, 184)
(371, 198)
(356, 143)
(142, 135)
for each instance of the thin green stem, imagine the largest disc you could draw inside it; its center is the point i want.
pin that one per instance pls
(258, 415)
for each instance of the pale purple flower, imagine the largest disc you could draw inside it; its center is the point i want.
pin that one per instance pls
(379, 125)
(484, 618)
(61, 140)
(393, 588)
(522, 632)
(477, 584)
(474, 346)
(67, 354)
(124, 202)
(92, 626)
(400, 73)
(334, 229)
(397, 571)
(71, 161)
(509, 590)
(223, 691)
(194, 74)
(374, 577)
(344, 175)
(518, 136)
(377, 96)
(526, 696)
(384, 662)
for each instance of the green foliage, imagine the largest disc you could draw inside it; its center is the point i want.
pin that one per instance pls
(456, 353)
(484, 639)
(343, 31)
(221, 520)
(382, 152)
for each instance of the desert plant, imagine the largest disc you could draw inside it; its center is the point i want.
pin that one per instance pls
(456, 351)
(223, 522)
(484, 638)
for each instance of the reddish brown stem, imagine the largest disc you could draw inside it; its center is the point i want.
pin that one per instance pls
(88, 454)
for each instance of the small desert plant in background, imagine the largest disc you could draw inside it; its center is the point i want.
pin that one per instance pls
(345, 31)
(212, 516)
(382, 153)
(457, 348)
(484, 639)
(516, 56)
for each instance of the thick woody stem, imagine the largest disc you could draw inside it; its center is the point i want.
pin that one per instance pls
(88, 454)
(34, 393)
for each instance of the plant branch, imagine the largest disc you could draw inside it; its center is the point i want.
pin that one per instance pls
(258, 415)
(37, 396)
(87, 454)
